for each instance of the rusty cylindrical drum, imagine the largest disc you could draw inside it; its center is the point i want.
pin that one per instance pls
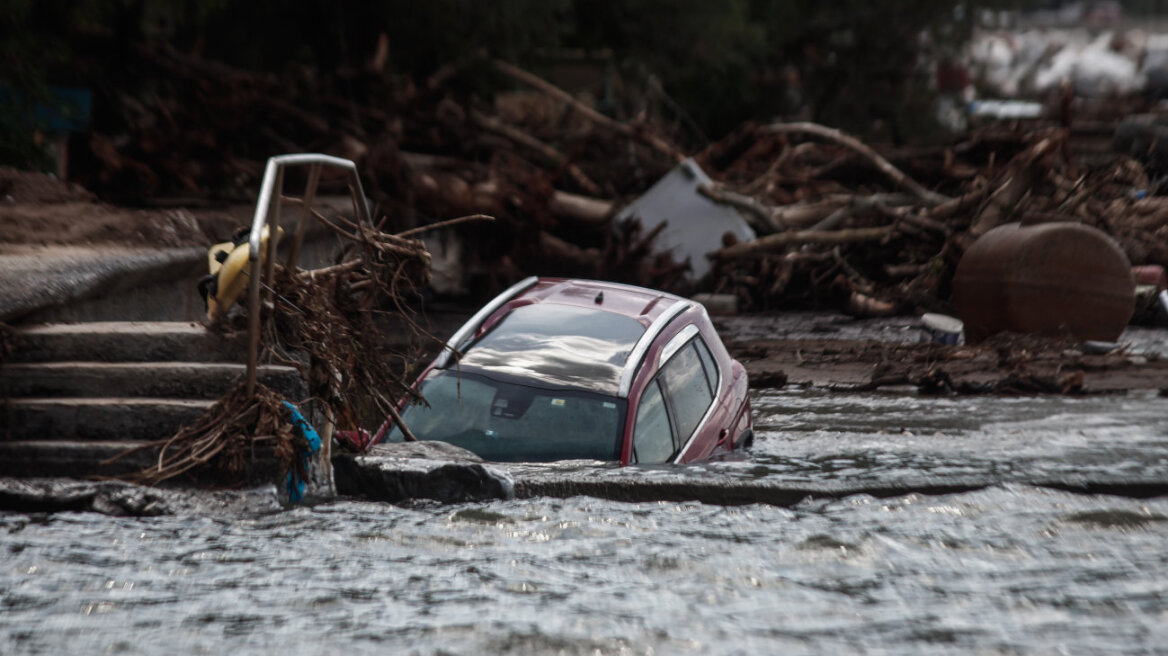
(1059, 279)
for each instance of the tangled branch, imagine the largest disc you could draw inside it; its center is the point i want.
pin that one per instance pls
(335, 316)
(224, 438)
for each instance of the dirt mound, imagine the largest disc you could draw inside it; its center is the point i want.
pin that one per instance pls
(19, 187)
(1007, 364)
(39, 209)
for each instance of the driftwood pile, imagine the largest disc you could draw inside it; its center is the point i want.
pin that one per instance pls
(224, 440)
(840, 224)
(333, 318)
(845, 226)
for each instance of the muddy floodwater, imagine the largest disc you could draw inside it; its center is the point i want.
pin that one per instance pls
(1006, 569)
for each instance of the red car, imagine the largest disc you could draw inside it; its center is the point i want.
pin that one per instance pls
(557, 369)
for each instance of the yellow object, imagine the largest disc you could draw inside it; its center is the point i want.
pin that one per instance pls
(213, 262)
(233, 273)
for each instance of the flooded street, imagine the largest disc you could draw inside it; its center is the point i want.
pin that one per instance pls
(1011, 568)
(911, 258)
(817, 435)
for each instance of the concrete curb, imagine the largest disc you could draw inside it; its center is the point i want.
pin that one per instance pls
(432, 470)
(41, 278)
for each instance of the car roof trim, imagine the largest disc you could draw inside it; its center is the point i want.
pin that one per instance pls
(468, 329)
(646, 340)
(678, 342)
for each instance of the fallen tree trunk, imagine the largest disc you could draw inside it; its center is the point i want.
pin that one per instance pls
(550, 154)
(623, 129)
(763, 217)
(593, 211)
(883, 165)
(805, 214)
(781, 240)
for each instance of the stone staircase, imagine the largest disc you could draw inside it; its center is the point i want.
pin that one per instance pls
(75, 394)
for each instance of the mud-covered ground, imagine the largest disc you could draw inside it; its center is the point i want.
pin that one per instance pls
(40, 210)
(826, 349)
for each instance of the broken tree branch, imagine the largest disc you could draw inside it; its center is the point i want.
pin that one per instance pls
(520, 137)
(445, 224)
(884, 166)
(781, 240)
(763, 216)
(593, 211)
(586, 111)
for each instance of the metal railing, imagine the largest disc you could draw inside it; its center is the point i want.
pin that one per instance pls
(267, 213)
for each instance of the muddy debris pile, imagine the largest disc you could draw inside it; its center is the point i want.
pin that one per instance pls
(334, 319)
(872, 234)
(1006, 364)
(427, 151)
(838, 223)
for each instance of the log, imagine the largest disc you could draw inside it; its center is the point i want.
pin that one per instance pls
(858, 204)
(549, 153)
(781, 240)
(884, 166)
(591, 114)
(763, 217)
(429, 161)
(1019, 180)
(904, 270)
(565, 251)
(959, 205)
(905, 215)
(582, 209)
(805, 214)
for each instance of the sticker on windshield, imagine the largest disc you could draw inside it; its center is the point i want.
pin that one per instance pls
(608, 405)
(559, 403)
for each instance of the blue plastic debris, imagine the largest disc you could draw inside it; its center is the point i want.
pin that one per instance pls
(295, 483)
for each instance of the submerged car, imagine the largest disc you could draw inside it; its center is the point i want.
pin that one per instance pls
(556, 369)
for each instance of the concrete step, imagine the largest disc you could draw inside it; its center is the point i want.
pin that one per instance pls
(80, 459)
(97, 418)
(188, 380)
(23, 458)
(126, 341)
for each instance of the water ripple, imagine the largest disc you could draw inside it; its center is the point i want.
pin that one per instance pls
(1005, 569)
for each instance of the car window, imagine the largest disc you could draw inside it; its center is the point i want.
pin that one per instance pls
(687, 389)
(708, 362)
(507, 421)
(652, 439)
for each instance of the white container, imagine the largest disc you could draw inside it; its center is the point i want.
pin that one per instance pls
(942, 329)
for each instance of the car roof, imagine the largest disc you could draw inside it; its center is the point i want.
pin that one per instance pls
(568, 333)
(639, 303)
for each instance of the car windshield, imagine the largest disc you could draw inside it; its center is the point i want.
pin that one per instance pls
(510, 422)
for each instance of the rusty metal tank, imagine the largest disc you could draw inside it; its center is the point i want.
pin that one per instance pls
(1061, 279)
